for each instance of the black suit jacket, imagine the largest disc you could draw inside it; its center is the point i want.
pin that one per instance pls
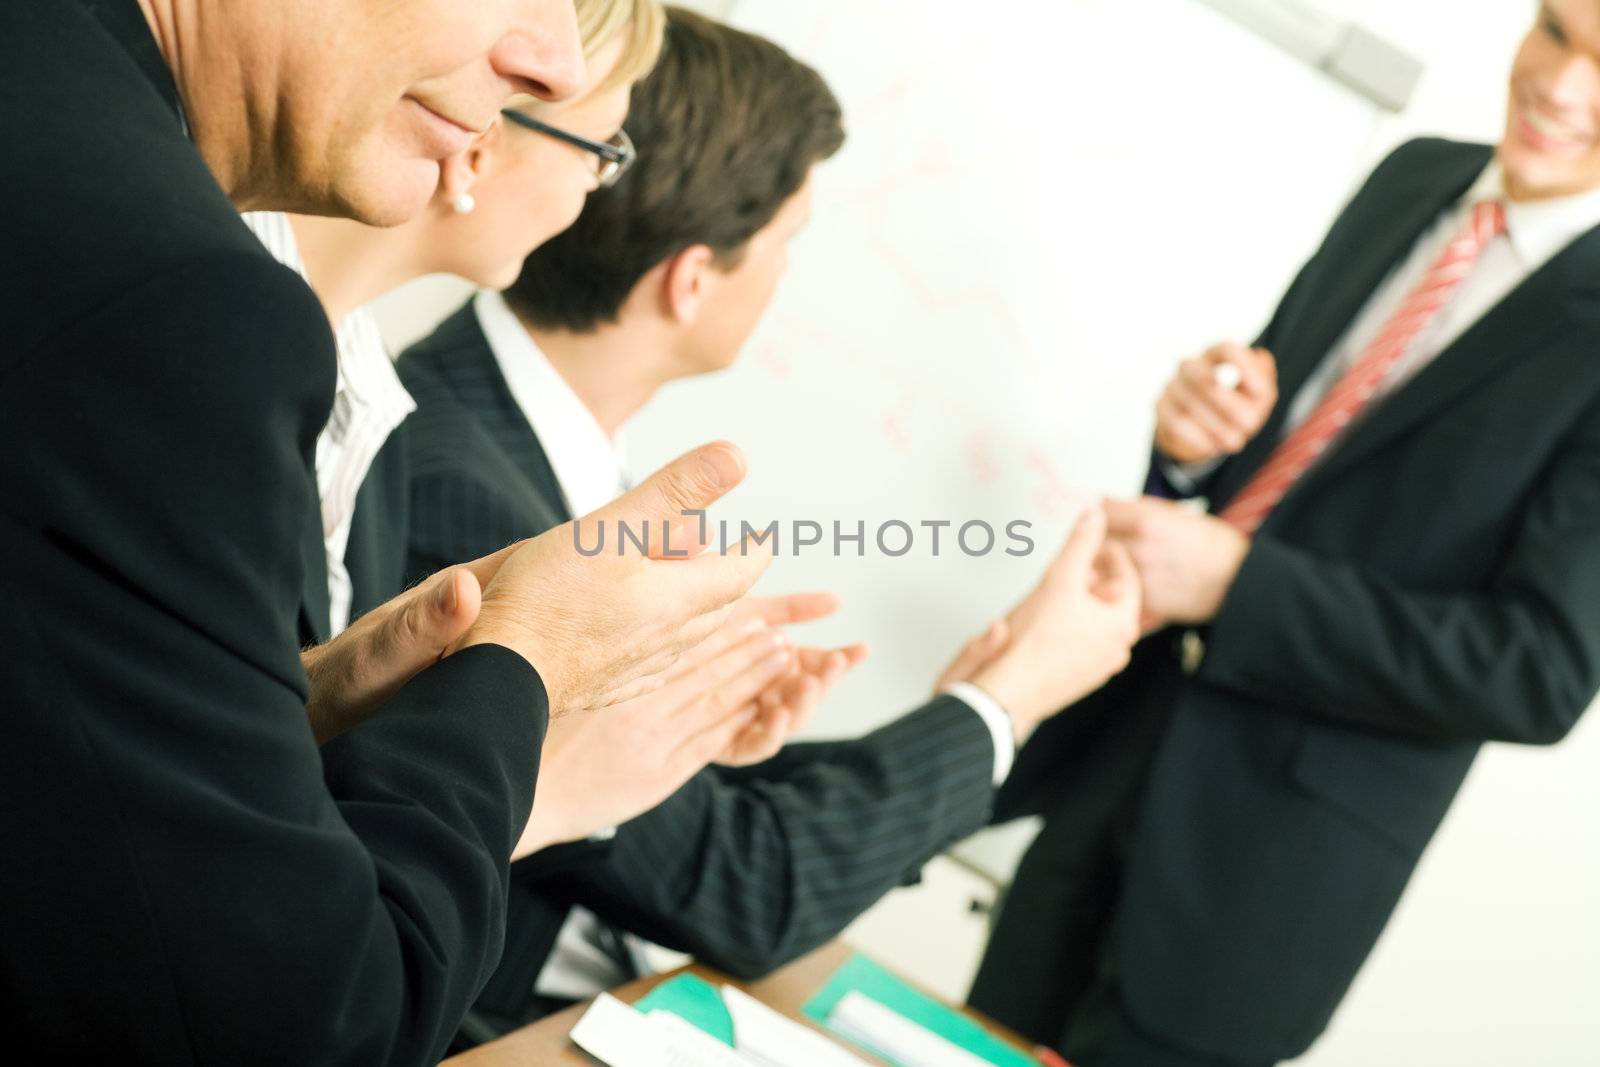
(1433, 584)
(187, 877)
(744, 868)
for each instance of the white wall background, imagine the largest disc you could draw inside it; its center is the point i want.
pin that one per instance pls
(1041, 208)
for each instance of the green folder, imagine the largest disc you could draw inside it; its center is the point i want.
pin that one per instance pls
(861, 975)
(700, 1004)
(695, 1001)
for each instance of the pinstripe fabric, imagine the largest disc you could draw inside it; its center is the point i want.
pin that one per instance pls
(479, 479)
(746, 868)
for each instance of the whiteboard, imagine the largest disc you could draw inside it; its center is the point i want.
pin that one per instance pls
(1017, 243)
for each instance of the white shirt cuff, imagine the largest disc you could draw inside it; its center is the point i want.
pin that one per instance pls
(1001, 729)
(1186, 477)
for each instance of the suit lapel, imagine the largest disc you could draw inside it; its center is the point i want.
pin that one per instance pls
(504, 420)
(1518, 326)
(1358, 257)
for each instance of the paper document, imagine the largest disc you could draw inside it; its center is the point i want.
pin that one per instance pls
(896, 1038)
(771, 1039)
(619, 1036)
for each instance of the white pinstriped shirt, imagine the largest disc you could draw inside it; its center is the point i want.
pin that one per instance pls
(368, 403)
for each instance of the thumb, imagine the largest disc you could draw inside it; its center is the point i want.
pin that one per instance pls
(974, 654)
(692, 482)
(1118, 577)
(1075, 563)
(440, 612)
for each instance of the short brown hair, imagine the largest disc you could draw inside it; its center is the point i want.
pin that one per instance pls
(728, 126)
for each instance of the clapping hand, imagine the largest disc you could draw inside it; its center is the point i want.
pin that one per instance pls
(734, 698)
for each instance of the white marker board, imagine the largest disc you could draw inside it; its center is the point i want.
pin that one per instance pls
(1018, 241)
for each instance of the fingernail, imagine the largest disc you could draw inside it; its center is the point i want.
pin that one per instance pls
(722, 464)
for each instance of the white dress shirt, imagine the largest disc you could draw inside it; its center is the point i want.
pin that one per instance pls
(1535, 232)
(590, 469)
(368, 403)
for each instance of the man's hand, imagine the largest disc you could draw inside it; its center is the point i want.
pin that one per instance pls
(602, 628)
(785, 705)
(355, 673)
(974, 654)
(1186, 560)
(602, 768)
(1216, 403)
(1067, 638)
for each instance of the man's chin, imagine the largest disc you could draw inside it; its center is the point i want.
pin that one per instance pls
(388, 193)
(1531, 176)
(1539, 184)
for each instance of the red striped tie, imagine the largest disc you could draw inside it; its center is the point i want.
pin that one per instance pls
(1295, 455)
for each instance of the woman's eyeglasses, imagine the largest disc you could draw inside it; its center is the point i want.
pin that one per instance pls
(614, 156)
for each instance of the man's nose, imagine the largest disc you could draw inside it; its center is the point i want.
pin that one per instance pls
(543, 53)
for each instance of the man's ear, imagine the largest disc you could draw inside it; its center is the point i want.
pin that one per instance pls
(685, 280)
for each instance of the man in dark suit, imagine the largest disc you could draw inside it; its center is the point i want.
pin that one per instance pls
(188, 876)
(1402, 561)
(518, 402)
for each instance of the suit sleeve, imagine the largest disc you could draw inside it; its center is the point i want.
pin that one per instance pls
(199, 883)
(751, 868)
(1516, 661)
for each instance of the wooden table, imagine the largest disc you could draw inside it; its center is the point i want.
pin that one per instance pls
(786, 990)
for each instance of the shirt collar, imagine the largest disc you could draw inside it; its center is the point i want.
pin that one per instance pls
(587, 463)
(1538, 229)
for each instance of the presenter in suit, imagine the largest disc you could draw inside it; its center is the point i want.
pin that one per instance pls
(519, 400)
(189, 877)
(1401, 561)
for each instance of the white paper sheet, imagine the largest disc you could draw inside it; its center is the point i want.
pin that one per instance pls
(774, 1040)
(620, 1036)
(863, 1019)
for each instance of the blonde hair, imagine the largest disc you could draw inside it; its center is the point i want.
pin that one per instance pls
(599, 23)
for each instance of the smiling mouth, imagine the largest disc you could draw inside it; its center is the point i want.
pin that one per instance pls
(442, 117)
(442, 135)
(1552, 130)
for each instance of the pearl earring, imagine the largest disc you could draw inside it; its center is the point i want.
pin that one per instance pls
(465, 204)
